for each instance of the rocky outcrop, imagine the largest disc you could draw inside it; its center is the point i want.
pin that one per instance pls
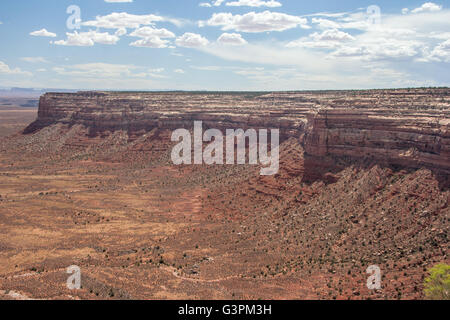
(141, 112)
(408, 139)
(401, 127)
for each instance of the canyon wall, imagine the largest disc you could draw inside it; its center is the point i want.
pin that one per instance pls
(403, 127)
(410, 138)
(141, 112)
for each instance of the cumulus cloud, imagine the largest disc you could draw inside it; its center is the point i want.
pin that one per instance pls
(151, 42)
(342, 43)
(88, 39)
(191, 40)
(256, 22)
(43, 33)
(387, 44)
(151, 37)
(332, 35)
(233, 39)
(427, 7)
(146, 32)
(180, 71)
(398, 38)
(216, 3)
(327, 39)
(118, 20)
(441, 53)
(391, 49)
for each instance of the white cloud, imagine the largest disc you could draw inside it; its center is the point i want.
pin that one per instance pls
(390, 50)
(427, 7)
(151, 42)
(426, 22)
(34, 59)
(157, 70)
(191, 40)
(398, 38)
(256, 22)
(146, 32)
(325, 23)
(5, 69)
(156, 73)
(327, 39)
(350, 52)
(43, 33)
(254, 3)
(332, 35)
(441, 53)
(336, 54)
(117, 20)
(233, 39)
(440, 35)
(121, 32)
(374, 46)
(344, 20)
(272, 53)
(180, 71)
(151, 37)
(88, 39)
(215, 3)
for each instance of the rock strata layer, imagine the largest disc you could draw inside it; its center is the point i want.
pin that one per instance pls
(402, 127)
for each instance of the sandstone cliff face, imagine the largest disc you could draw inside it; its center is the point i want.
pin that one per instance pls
(412, 139)
(402, 127)
(141, 112)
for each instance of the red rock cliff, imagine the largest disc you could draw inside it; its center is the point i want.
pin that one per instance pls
(403, 127)
(409, 138)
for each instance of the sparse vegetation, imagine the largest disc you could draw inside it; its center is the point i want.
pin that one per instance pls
(437, 284)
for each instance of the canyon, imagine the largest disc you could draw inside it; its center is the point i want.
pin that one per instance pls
(363, 180)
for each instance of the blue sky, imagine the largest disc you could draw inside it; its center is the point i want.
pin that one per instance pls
(224, 45)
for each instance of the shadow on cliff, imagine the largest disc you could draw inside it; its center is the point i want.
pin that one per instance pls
(35, 127)
(328, 168)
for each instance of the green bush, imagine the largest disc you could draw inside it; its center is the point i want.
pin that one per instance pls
(437, 285)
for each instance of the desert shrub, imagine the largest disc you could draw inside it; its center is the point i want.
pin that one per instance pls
(437, 285)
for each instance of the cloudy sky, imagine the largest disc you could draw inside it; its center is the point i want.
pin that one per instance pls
(224, 44)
